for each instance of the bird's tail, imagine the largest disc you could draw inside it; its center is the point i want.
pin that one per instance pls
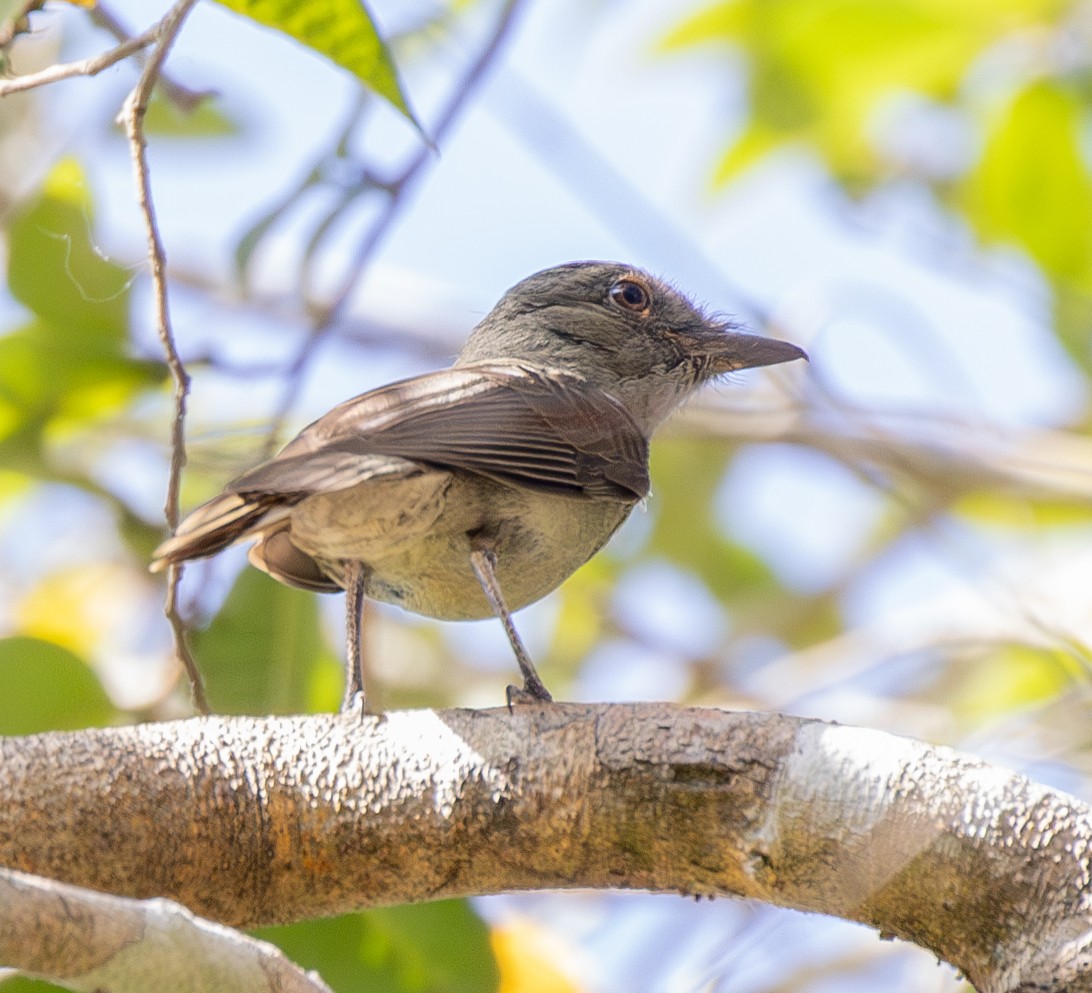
(213, 526)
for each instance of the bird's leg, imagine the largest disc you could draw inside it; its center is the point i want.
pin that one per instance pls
(484, 562)
(354, 700)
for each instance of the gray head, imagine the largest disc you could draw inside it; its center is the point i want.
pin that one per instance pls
(624, 330)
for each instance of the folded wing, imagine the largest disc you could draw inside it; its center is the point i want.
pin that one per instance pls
(520, 425)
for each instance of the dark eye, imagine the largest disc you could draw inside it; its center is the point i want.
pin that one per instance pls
(631, 294)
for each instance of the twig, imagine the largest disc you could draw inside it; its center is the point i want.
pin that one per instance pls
(182, 96)
(84, 67)
(132, 118)
(398, 192)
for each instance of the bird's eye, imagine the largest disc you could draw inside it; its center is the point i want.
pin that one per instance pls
(631, 295)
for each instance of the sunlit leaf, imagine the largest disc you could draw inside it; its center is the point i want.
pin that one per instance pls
(48, 688)
(438, 947)
(264, 652)
(52, 379)
(341, 30)
(751, 147)
(1004, 511)
(584, 597)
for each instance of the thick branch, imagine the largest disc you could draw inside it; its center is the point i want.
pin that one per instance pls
(250, 821)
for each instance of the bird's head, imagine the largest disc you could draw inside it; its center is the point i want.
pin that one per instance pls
(622, 329)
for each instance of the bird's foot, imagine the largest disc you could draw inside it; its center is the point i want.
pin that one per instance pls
(355, 705)
(527, 694)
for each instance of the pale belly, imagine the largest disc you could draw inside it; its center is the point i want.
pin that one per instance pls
(415, 535)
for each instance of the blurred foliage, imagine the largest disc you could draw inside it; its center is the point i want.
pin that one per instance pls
(264, 653)
(824, 73)
(529, 959)
(425, 948)
(20, 984)
(70, 366)
(207, 119)
(47, 688)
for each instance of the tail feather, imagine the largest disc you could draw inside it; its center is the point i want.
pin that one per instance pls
(215, 525)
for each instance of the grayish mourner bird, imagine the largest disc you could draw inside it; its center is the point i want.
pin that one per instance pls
(478, 489)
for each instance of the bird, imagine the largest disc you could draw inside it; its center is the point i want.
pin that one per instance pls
(474, 490)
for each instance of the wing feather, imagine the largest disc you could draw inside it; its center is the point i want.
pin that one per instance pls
(516, 423)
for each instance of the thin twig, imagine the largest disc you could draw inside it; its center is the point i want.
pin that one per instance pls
(399, 191)
(181, 96)
(84, 67)
(132, 118)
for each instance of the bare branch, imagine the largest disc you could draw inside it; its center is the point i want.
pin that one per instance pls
(258, 820)
(181, 96)
(132, 118)
(84, 67)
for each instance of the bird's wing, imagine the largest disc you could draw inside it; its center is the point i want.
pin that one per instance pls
(515, 423)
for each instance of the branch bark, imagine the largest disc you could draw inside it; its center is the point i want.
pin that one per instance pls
(251, 821)
(96, 942)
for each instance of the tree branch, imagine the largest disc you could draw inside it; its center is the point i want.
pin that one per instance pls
(94, 942)
(84, 67)
(259, 820)
(132, 118)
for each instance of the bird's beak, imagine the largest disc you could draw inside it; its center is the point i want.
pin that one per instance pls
(730, 350)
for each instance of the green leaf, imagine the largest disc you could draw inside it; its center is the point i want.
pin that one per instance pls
(424, 948)
(342, 30)
(1032, 185)
(442, 946)
(48, 688)
(264, 652)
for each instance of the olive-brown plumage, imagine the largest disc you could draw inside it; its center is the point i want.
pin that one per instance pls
(476, 490)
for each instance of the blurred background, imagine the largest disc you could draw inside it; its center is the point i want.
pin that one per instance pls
(898, 535)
